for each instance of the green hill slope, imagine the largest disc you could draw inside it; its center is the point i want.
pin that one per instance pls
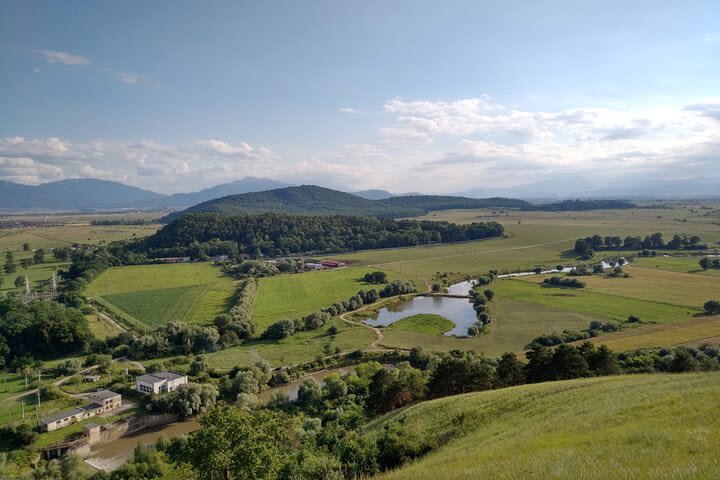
(624, 427)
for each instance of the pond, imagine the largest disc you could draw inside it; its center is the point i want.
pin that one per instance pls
(457, 310)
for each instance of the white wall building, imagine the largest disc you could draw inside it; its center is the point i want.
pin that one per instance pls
(159, 382)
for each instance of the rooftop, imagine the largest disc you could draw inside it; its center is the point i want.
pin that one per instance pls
(104, 394)
(61, 415)
(159, 376)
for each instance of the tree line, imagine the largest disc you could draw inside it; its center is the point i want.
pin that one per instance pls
(275, 234)
(587, 245)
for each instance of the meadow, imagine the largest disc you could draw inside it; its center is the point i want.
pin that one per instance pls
(295, 295)
(536, 238)
(692, 331)
(151, 295)
(625, 427)
(515, 324)
(299, 348)
(678, 264)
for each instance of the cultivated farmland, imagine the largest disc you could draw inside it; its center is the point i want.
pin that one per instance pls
(149, 295)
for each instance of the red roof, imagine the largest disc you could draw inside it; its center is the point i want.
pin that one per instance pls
(332, 263)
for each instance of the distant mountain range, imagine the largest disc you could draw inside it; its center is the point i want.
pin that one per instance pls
(314, 200)
(93, 194)
(245, 185)
(75, 194)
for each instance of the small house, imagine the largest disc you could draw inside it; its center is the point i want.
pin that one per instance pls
(332, 264)
(103, 402)
(313, 266)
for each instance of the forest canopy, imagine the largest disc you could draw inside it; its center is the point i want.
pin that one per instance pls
(280, 234)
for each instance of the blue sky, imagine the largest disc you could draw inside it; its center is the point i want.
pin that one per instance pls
(404, 95)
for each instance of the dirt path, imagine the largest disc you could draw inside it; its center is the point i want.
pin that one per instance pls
(56, 383)
(100, 314)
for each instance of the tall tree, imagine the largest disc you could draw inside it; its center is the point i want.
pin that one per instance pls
(239, 444)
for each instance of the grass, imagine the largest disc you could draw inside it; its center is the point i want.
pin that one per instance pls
(515, 324)
(591, 301)
(425, 324)
(12, 384)
(298, 294)
(150, 295)
(676, 264)
(301, 347)
(100, 328)
(624, 427)
(534, 238)
(693, 331)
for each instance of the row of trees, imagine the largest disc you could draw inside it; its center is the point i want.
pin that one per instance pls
(275, 234)
(287, 327)
(654, 241)
(479, 302)
(566, 282)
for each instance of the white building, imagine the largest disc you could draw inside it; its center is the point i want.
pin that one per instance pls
(159, 382)
(103, 402)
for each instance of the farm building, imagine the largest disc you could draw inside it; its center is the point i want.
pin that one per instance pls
(103, 402)
(332, 264)
(159, 382)
(219, 258)
(313, 266)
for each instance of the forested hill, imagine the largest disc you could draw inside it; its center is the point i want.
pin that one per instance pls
(447, 202)
(314, 200)
(302, 200)
(580, 205)
(281, 234)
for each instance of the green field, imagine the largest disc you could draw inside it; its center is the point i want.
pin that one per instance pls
(299, 348)
(676, 264)
(515, 324)
(154, 294)
(692, 331)
(594, 301)
(625, 427)
(100, 328)
(294, 295)
(425, 324)
(535, 238)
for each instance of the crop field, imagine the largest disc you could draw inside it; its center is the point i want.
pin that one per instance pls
(632, 426)
(155, 294)
(693, 331)
(515, 324)
(301, 347)
(298, 294)
(535, 238)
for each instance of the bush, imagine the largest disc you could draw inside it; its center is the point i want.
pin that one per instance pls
(564, 282)
(375, 277)
(712, 307)
(280, 329)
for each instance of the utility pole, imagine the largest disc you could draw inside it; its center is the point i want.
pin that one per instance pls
(22, 406)
(37, 407)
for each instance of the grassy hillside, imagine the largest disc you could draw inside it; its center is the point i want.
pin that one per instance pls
(625, 427)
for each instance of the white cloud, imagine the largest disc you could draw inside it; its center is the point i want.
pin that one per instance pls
(53, 56)
(130, 78)
(347, 110)
(147, 164)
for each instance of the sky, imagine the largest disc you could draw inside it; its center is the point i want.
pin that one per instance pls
(438, 97)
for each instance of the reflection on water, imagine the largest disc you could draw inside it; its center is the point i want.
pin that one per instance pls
(113, 454)
(457, 310)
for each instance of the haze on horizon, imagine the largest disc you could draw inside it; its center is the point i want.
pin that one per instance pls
(405, 96)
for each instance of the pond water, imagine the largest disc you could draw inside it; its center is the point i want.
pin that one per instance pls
(457, 310)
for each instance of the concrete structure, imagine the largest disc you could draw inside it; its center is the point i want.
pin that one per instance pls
(173, 259)
(108, 400)
(313, 266)
(159, 382)
(91, 378)
(103, 402)
(219, 258)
